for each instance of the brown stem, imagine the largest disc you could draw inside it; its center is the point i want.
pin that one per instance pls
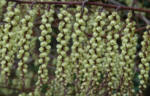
(80, 3)
(140, 29)
(142, 17)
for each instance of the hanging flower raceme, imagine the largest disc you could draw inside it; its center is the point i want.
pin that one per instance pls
(63, 72)
(8, 38)
(25, 34)
(45, 40)
(144, 66)
(112, 53)
(93, 54)
(79, 39)
(127, 57)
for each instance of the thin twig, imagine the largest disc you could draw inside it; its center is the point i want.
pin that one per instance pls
(140, 29)
(142, 17)
(115, 2)
(80, 3)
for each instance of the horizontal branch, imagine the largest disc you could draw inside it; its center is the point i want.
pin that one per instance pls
(80, 3)
(140, 29)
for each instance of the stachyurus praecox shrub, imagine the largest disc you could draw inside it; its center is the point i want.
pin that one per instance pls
(48, 50)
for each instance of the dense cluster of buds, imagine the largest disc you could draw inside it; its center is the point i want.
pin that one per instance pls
(71, 51)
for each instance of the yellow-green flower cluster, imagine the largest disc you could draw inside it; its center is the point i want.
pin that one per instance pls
(8, 39)
(128, 52)
(93, 54)
(145, 59)
(111, 53)
(79, 41)
(45, 40)
(63, 72)
(25, 34)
